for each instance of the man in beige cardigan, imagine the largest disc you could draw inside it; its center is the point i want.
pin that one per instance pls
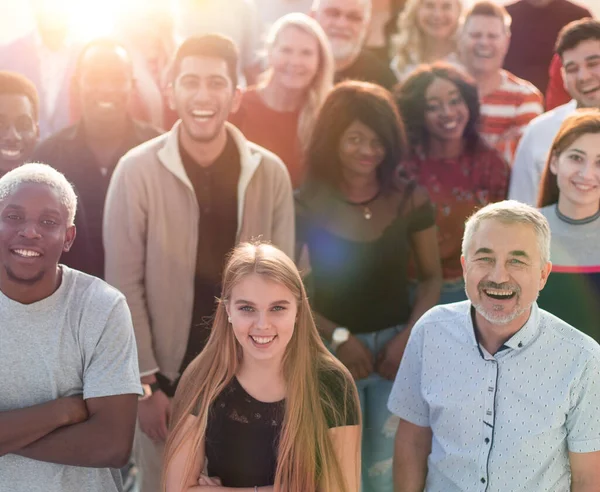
(175, 207)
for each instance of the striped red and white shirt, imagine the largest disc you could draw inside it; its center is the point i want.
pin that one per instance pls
(506, 112)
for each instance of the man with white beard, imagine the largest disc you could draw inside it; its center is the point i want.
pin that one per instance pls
(346, 23)
(493, 393)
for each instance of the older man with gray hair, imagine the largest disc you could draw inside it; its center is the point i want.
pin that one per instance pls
(493, 393)
(69, 373)
(346, 23)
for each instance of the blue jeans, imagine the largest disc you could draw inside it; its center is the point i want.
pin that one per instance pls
(379, 424)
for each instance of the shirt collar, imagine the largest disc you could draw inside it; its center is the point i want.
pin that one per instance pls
(520, 339)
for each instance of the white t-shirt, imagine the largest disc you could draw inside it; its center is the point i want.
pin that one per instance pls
(77, 341)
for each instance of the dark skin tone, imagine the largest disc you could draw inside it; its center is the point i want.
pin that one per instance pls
(98, 432)
(18, 131)
(104, 85)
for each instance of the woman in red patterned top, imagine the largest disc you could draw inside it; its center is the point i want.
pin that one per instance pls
(440, 108)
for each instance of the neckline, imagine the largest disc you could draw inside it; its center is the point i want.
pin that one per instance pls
(237, 382)
(571, 221)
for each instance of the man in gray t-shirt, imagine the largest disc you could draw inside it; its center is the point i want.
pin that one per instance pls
(68, 362)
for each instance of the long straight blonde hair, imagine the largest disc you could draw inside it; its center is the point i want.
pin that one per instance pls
(323, 80)
(306, 457)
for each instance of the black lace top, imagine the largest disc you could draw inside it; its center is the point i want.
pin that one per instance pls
(242, 433)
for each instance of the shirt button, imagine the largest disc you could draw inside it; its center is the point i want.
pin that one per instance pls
(520, 344)
(490, 388)
(487, 440)
(482, 480)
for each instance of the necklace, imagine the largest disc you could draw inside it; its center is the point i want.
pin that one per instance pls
(367, 212)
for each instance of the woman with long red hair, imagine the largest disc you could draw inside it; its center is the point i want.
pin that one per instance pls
(570, 200)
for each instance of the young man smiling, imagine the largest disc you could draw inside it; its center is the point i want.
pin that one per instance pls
(19, 108)
(69, 376)
(175, 208)
(493, 393)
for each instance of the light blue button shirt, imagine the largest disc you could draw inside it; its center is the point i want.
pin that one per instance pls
(503, 422)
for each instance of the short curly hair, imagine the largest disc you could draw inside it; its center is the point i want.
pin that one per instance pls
(15, 83)
(41, 174)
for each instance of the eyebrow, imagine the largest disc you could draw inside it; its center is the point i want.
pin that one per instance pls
(46, 210)
(452, 93)
(516, 252)
(243, 301)
(578, 151)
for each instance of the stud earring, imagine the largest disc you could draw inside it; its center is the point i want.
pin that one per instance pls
(229, 319)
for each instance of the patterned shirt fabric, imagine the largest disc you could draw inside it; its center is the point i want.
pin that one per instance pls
(506, 112)
(458, 187)
(503, 422)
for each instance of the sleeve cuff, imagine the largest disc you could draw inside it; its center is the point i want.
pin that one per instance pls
(409, 415)
(589, 446)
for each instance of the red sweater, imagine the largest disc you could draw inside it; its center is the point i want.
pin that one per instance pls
(274, 130)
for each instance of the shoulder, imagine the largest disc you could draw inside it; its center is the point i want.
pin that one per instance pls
(143, 154)
(444, 317)
(568, 335)
(269, 161)
(145, 131)
(551, 120)
(521, 86)
(55, 143)
(94, 297)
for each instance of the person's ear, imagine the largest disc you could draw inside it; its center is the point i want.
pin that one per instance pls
(69, 238)
(553, 163)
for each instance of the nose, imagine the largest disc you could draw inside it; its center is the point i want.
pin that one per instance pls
(12, 134)
(584, 73)
(29, 231)
(589, 170)
(499, 273)
(262, 322)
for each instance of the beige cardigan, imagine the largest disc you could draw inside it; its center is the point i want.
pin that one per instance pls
(151, 220)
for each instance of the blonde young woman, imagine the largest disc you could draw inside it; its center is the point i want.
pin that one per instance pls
(279, 113)
(427, 33)
(265, 407)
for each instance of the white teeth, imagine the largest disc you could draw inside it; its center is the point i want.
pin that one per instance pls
(262, 340)
(106, 105)
(26, 252)
(582, 187)
(203, 114)
(10, 153)
(502, 293)
(450, 125)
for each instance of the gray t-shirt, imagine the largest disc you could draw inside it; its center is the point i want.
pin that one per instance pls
(77, 341)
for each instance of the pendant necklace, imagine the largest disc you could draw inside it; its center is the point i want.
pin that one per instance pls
(367, 212)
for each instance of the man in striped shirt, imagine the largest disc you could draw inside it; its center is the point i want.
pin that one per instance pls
(508, 103)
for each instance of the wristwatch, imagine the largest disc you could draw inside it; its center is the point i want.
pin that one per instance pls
(149, 390)
(340, 335)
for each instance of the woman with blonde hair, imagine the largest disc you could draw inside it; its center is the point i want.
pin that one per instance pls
(427, 33)
(265, 407)
(570, 200)
(279, 113)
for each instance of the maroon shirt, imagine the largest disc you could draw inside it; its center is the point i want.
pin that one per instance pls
(457, 188)
(534, 32)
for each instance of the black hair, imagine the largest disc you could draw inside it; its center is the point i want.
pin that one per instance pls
(15, 83)
(576, 32)
(209, 45)
(348, 102)
(410, 98)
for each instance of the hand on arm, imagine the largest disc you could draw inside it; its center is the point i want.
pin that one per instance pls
(103, 440)
(353, 353)
(411, 450)
(19, 428)
(154, 413)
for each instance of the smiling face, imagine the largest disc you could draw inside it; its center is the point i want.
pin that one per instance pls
(503, 272)
(105, 84)
(294, 59)
(203, 96)
(18, 131)
(483, 44)
(438, 19)
(361, 151)
(577, 171)
(263, 315)
(346, 23)
(33, 233)
(581, 73)
(446, 112)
